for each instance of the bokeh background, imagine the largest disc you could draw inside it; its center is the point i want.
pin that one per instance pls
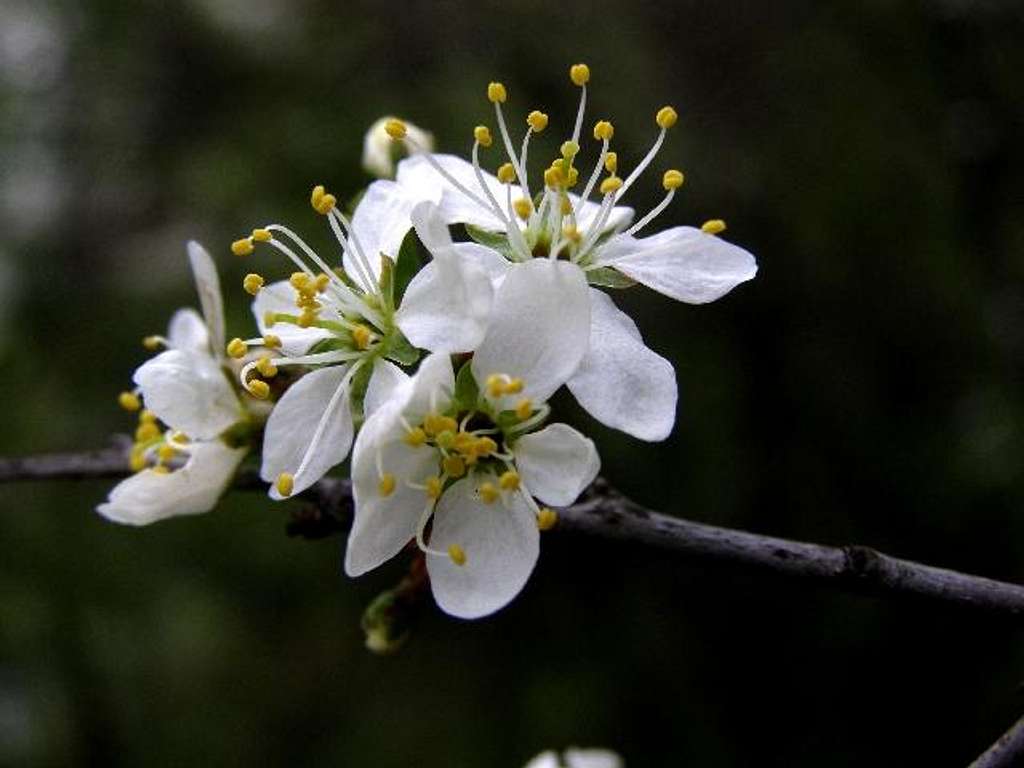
(866, 387)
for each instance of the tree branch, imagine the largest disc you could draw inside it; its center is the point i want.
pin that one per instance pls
(1005, 753)
(603, 511)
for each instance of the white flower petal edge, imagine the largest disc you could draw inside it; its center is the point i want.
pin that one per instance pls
(150, 496)
(188, 391)
(188, 332)
(208, 287)
(683, 263)
(621, 382)
(540, 327)
(591, 758)
(447, 304)
(381, 221)
(547, 759)
(383, 385)
(310, 429)
(379, 148)
(556, 463)
(505, 546)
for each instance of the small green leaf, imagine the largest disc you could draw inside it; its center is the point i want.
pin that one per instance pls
(407, 265)
(609, 277)
(400, 350)
(387, 280)
(330, 345)
(496, 240)
(467, 392)
(506, 420)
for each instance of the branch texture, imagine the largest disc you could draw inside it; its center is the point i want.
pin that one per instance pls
(603, 511)
(1005, 753)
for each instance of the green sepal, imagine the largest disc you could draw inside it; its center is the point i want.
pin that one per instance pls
(609, 277)
(357, 392)
(238, 435)
(387, 281)
(467, 391)
(400, 350)
(406, 266)
(497, 241)
(331, 344)
(506, 420)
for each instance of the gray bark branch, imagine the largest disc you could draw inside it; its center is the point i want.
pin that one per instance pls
(603, 511)
(1005, 753)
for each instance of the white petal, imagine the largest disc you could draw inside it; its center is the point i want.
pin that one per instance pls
(501, 543)
(556, 464)
(293, 424)
(494, 264)
(540, 327)
(279, 298)
(384, 382)
(383, 525)
(448, 303)
(148, 496)
(431, 228)
(431, 388)
(381, 221)
(208, 286)
(683, 263)
(621, 382)
(187, 331)
(619, 218)
(189, 392)
(544, 760)
(419, 179)
(591, 758)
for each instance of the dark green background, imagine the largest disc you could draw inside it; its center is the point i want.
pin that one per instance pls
(866, 387)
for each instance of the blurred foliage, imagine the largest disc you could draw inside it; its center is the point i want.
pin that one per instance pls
(866, 387)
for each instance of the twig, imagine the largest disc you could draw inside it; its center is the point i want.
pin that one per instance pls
(1005, 753)
(603, 511)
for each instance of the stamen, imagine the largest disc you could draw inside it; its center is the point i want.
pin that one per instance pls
(457, 554)
(258, 389)
(483, 184)
(665, 119)
(285, 483)
(482, 135)
(129, 401)
(414, 437)
(524, 408)
(713, 227)
(237, 348)
(488, 493)
(454, 466)
(580, 76)
(146, 432)
(386, 486)
(153, 343)
(546, 518)
(242, 247)
(266, 367)
(497, 95)
(252, 283)
(671, 181)
(326, 418)
(509, 480)
(270, 341)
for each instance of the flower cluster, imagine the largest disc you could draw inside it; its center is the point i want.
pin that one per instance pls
(433, 380)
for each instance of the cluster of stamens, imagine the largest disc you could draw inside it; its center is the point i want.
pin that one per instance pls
(152, 447)
(553, 227)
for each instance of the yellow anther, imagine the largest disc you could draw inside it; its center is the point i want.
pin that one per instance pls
(524, 408)
(285, 483)
(546, 518)
(262, 235)
(574, 176)
(307, 300)
(395, 128)
(266, 367)
(252, 283)
(457, 554)
(611, 184)
(415, 437)
(666, 117)
(258, 389)
(434, 486)
(270, 341)
(322, 281)
(553, 177)
(454, 466)
(514, 386)
(603, 130)
(242, 247)
(445, 439)
(386, 486)
(237, 348)
(579, 74)
(179, 437)
(146, 432)
(463, 442)
(482, 134)
(496, 93)
(160, 469)
(672, 179)
(509, 481)
(488, 493)
(435, 424)
(137, 460)
(713, 227)
(495, 384)
(269, 318)
(306, 318)
(361, 336)
(611, 162)
(146, 416)
(325, 203)
(572, 233)
(538, 121)
(507, 173)
(484, 447)
(166, 452)
(566, 205)
(299, 280)
(152, 342)
(523, 208)
(569, 149)
(129, 401)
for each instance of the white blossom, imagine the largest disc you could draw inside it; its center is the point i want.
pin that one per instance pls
(380, 152)
(575, 757)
